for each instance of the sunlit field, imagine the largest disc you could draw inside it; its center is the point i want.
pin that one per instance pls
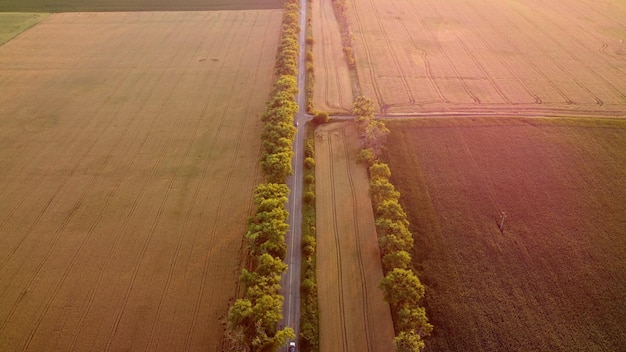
(129, 144)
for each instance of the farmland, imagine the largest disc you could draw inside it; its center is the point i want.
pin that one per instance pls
(333, 86)
(134, 5)
(352, 313)
(555, 278)
(129, 144)
(484, 56)
(12, 24)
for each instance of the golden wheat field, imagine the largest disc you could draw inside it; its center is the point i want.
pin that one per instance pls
(129, 145)
(553, 57)
(353, 314)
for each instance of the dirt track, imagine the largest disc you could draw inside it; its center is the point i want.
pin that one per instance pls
(353, 314)
(129, 145)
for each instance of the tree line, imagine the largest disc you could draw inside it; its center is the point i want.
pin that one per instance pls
(402, 289)
(309, 311)
(252, 321)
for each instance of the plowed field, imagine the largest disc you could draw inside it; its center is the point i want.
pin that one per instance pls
(129, 149)
(353, 315)
(479, 55)
(555, 278)
(333, 90)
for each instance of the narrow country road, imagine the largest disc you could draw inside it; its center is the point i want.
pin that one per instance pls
(291, 279)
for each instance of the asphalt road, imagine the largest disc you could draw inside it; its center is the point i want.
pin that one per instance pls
(291, 279)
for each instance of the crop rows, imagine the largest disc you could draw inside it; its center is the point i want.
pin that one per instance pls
(476, 56)
(120, 229)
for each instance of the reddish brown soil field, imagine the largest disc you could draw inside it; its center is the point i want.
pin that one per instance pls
(353, 315)
(555, 278)
(129, 148)
(479, 55)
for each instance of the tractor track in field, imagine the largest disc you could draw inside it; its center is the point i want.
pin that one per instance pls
(325, 30)
(101, 256)
(45, 175)
(220, 207)
(368, 54)
(445, 55)
(355, 220)
(535, 44)
(424, 55)
(151, 232)
(394, 58)
(524, 57)
(120, 312)
(504, 63)
(186, 221)
(89, 232)
(588, 67)
(59, 231)
(342, 313)
(484, 71)
(118, 236)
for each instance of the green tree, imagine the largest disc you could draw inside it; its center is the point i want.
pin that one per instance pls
(391, 210)
(380, 170)
(408, 342)
(363, 106)
(287, 84)
(413, 319)
(366, 156)
(309, 163)
(392, 243)
(401, 287)
(277, 166)
(382, 190)
(239, 313)
(396, 259)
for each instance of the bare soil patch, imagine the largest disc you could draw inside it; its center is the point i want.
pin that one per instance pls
(555, 279)
(477, 55)
(333, 86)
(129, 144)
(352, 313)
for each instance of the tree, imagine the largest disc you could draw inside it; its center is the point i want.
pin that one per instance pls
(309, 163)
(320, 117)
(239, 313)
(408, 342)
(288, 84)
(366, 156)
(401, 287)
(413, 319)
(266, 191)
(396, 259)
(380, 170)
(270, 266)
(277, 166)
(382, 190)
(391, 210)
(392, 243)
(376, 136)
(363, 106)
